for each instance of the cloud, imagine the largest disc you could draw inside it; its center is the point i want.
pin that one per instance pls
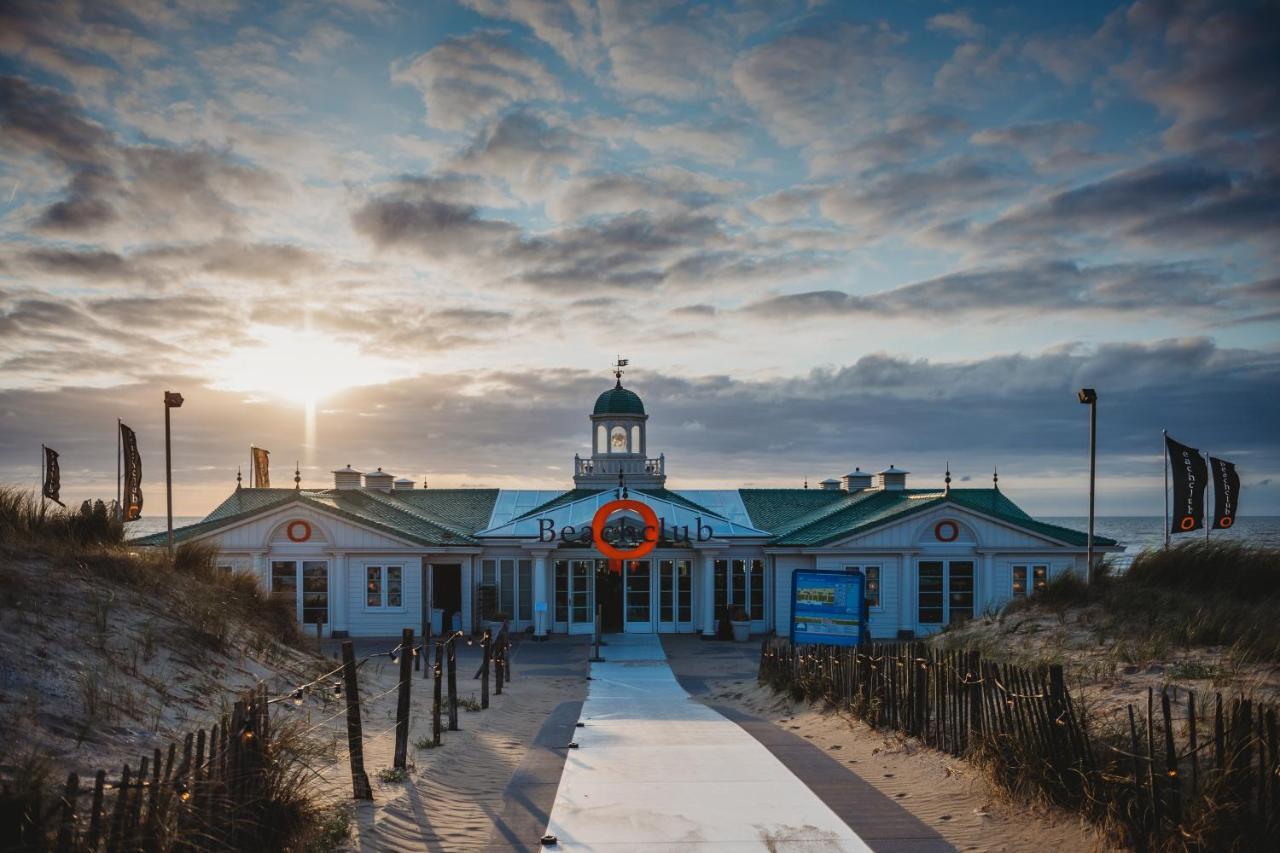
(810, 84)
(571, 28)
(959, 24)
(417, 217)
(469, 79)
(1031, 288)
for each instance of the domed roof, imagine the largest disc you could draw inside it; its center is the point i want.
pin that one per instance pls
(618, 401)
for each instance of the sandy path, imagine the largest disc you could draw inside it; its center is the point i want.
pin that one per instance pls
(454, 793)
(943, 792)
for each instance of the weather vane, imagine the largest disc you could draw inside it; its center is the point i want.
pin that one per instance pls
(617, 369)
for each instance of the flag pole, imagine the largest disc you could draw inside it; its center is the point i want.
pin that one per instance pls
(119, 453)
(43, 456)
(1164, 458)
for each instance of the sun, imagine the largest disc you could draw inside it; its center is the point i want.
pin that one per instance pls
(302, 366)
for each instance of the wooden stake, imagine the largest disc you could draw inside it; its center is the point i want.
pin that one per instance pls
(402, 705)
(361, 790)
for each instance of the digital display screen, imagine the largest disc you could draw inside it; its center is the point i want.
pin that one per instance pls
(827, 607)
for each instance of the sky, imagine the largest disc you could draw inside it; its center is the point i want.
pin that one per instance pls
(826, 236)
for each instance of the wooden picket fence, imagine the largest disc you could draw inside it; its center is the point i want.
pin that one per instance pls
(1163, 777)
(207, 795)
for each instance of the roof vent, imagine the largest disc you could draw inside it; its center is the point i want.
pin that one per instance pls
(856, 480)
(831, 484)
(891, 479)
(379, 481)
(346, 478)
(404, 484)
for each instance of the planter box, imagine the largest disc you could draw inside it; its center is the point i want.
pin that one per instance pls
(741, 631)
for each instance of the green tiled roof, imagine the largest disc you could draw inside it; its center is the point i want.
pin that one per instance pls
(376, 510)
(467, 509)
(578, 494)
(773, 509)
(851, 514)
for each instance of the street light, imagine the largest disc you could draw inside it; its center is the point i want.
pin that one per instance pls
(172, 400)
(1089, 397)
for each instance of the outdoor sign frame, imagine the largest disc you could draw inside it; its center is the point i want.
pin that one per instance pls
(854, 582)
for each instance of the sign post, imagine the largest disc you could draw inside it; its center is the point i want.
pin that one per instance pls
(828, 607)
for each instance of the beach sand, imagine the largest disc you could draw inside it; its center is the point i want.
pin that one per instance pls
(454, 793)
(944, 792)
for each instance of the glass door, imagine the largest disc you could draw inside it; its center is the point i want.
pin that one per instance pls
(944, 595)
(305, 585)
(675, 596)
(638, 579)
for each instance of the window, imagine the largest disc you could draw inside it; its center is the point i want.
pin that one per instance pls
(1039, 579)
(602, 439)
(618, 440)
(284, 579)
(870, 586)
(562, 589)
(384, 586)
(721, 586)
(756, 610)
(635, 439)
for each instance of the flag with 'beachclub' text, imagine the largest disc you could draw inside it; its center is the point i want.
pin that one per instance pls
(1226, 492)
(1190, 476)
(261, 468)
(132, 474)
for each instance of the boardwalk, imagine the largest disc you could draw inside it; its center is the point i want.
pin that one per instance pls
(658, 770)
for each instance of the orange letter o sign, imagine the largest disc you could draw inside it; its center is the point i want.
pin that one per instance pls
(615, 554)
(298, 531)
(946, 531)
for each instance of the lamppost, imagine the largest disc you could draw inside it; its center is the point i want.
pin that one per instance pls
(172, 400)
(1089, 397)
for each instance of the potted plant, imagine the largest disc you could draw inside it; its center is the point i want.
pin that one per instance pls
(741, 624)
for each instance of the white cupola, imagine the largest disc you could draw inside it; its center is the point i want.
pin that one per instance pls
(378, 481)
(618, 444)
(347, 478)
(892, 479)
(856, 480)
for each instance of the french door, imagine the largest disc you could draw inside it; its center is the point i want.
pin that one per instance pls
(740, 584)
(575, 608)
(944, 595)
(675, 596)
(638, 601)
(304, 583)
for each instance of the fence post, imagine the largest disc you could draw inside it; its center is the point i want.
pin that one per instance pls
(359, 779)
(95, 817)
(486, 646)
(452, 656)
(67, 824)
(499, 654)
(595, 638)
(402, 705)
(1171, 759)
(435, 702)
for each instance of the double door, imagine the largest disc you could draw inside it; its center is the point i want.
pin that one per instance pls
(305, 585)
(945, 593)
(651, 595)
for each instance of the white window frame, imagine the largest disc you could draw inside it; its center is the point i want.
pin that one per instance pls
(382, 568)
(862, 567)
(1029, 578)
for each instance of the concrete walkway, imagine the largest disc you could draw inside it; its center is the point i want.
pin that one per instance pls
(657, 770)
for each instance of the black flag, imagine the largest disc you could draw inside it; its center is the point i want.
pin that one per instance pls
(261, 468)
(1226, 492)
(1190, 476)
(132, 474)
(52, 485)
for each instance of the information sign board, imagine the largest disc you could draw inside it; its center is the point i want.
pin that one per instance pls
(828, 607)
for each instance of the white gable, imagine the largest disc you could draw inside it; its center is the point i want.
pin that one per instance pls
(931, 530)
(328, 531)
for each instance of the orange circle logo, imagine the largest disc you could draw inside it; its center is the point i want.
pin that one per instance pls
(298, 531)
(616, 555)
(1226, 521)
(951, 534)
(1188, 522)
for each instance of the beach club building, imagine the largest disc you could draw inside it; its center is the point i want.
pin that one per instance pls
(375, 554)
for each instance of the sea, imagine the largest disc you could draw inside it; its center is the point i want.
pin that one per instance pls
(1135, 532)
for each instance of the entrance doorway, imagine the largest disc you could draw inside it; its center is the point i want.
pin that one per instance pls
(305, 585)
(446, 595)
(609, 597)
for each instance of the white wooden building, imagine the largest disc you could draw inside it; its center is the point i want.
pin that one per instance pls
(375, 554)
